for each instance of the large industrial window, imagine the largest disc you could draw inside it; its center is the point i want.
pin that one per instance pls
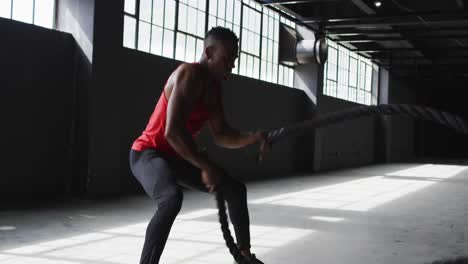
(37, 12)
(175, 29)
(191, 30)
(271, 70)
(250, 41)
(348, 76)
(149, 26)
(226, 14)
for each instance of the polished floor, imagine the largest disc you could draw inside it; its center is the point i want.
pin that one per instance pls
(393, 213)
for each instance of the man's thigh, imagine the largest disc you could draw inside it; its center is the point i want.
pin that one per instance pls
(189, 176)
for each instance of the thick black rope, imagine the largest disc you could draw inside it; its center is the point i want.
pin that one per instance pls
(414, 111)
(223, 220)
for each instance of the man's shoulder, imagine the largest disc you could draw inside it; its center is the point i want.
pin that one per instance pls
(189, 77)
(192, 72)
(192, 69)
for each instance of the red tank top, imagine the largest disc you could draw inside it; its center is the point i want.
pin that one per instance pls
(153, 135)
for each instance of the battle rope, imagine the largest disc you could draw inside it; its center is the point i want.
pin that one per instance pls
(223, 220)
(414, 111)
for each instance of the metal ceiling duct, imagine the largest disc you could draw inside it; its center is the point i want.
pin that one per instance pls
(293, 51)
(312, 51)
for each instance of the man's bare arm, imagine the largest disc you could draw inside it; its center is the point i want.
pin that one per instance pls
(226, 136)
(186, 89)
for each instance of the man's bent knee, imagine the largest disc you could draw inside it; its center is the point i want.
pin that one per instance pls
(172, 199)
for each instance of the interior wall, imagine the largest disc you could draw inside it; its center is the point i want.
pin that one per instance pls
(383, 82)
(354, 142)
(369, 139)
(437, 141)
(400, 91)
(345, 144)
(36, 68)
(401, 133)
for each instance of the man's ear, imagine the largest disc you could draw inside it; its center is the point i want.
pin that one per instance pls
(209, 51)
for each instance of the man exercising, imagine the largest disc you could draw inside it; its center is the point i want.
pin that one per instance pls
(165, 156)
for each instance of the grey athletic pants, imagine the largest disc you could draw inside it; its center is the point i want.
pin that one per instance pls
(161, 178)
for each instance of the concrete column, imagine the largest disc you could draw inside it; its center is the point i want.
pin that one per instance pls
(383, 85)
(77, 18)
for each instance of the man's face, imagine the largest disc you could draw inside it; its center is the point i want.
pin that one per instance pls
(223, 59)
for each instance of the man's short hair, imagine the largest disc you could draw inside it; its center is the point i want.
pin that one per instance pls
(221, 33)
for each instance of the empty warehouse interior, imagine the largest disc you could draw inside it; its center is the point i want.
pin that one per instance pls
(360, 105)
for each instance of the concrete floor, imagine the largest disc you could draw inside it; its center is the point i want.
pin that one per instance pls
(398, 213)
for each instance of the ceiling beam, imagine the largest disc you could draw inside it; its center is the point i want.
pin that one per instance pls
(395, 23)
(286, 13)
(354, 31)
(383, 56)
(380, 18)
(450, 61)
(293, 2)
(411, 18)
(452, 66)
(364, 7)
(379, 50)
(363, 39)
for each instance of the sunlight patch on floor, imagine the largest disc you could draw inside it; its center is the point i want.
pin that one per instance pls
(189, 242)
(367, 193)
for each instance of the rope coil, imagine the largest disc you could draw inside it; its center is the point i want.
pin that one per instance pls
(223, 220)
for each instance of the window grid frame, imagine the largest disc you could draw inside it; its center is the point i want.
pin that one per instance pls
(185, 33)
(33, 18)
(267, 36)
(33, 11)
(247, 53)
(359, 90)
(176, 28)
(336, 72)
(243, 4)
(349, 79)
(241, 22)
(289, 23)
(137, 19)
(241, 14)
(289, 68)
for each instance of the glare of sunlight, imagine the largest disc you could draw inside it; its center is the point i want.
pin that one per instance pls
(5, 8)
(39, 12)
(327, 219)
(367, 193)
(190, 242)
(5, 259)
(44, 13)
(51, 245)
(430, 171)
(73, 25)
(23, 10)
(197, 214)
(7, 228)
(303, 85)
